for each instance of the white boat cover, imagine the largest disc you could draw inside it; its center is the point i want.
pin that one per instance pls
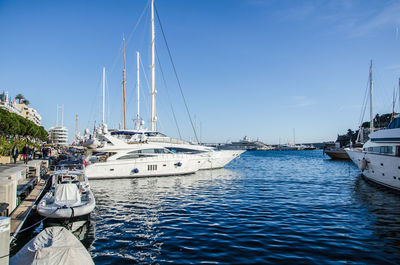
(67, 194)
(54, 245)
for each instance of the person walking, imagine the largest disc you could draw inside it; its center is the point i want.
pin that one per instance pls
(25, 152)
(14, 153)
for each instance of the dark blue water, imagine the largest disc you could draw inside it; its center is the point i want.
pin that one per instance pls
(266, 207)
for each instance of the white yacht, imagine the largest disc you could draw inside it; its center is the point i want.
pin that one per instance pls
(246, 144)
(379, 159)
(141, 153)
(211, 158)
(118, 159)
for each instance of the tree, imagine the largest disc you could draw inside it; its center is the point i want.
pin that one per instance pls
(19, 97)
(350, 133)
(26, 102)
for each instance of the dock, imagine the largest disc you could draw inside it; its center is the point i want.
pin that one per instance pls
(21, 185)
(21, 213)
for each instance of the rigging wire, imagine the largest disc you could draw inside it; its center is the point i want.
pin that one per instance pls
(96, 98)
(176, 74)
(128, 39)
(169, 99)
(363, 108)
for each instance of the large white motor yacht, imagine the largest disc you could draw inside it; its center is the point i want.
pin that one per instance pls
(379, 159)
(211, 158)
(118, 159)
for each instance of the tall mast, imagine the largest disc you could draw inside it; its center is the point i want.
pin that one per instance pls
(138, 92)
(153, 73)
(393, 103)
(76, 128)
(399, 95)
(123, 85)
(57, 117)
(104, 88)
(370, 99)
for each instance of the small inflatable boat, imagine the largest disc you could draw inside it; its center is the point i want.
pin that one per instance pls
(70, 196)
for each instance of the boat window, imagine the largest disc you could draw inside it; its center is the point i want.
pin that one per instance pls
(150, 151)
(386, 150)
(381, 149)
(184, 150)
(131, 156)
(394, 124)
(397, 150)
(155, 134)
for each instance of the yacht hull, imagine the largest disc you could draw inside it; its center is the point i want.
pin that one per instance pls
(339, 154)
(219, 159)
(382, 169)
(144, 167)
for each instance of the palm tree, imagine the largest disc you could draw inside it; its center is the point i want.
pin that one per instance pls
(19, 97)
(26, 102)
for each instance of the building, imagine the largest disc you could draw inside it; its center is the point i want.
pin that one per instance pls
(20, 109)
(9, 106)
(30, 114)
(58, 135)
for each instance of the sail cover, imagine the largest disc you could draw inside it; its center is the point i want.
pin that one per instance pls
(54, 245)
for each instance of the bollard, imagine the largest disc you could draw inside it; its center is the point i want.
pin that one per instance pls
(4, 240)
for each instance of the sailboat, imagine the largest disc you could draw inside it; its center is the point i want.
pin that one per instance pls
(113, 158)
(379, 157)
(210, 157)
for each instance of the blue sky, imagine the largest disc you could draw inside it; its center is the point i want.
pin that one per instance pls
(259, 68)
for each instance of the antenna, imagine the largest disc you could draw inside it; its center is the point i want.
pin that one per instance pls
(57, 117)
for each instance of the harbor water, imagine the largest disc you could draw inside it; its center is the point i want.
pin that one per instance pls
(266, 207)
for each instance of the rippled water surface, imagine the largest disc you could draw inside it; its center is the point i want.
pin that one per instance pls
(266, 207)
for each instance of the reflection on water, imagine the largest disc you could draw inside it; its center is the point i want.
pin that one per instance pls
(133, 214)
(268, 207)
(383, 206)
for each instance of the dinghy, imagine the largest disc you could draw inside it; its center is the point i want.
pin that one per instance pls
(70, 196)
(54, 245)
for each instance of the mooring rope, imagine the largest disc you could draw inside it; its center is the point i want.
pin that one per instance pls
(29, 227)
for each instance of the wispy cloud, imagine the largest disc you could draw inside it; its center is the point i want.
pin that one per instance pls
(388, 16)
(301, 102)
(314, 9)
(350, 17)
(393, 68)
